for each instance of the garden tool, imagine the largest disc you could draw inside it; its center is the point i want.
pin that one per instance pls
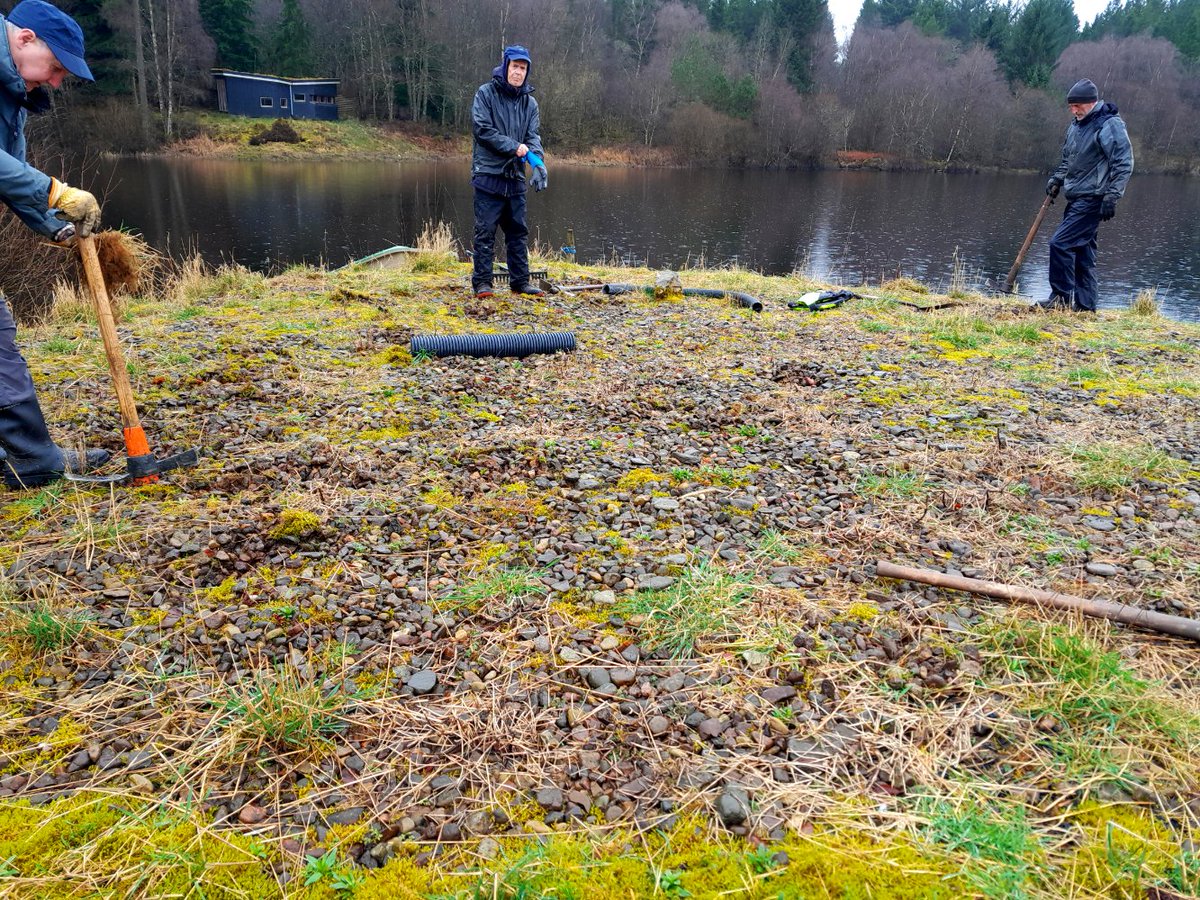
(1033, 230)
(815, 301)
(142, 466)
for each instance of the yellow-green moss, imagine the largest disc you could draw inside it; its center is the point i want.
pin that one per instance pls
(107, 845)
(296, 523)
(633, 480)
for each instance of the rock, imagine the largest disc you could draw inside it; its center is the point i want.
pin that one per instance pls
(733, 806)
(1103, 570)
(665, 504)
(251, 814)
(656, 583)
(781, 694)
(423, 682)
(711, 728)
(550, 798)
(347, 816)
(597, 677)
(659, 725)
(1099, 523)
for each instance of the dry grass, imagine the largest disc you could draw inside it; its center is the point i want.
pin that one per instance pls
(1145, 303)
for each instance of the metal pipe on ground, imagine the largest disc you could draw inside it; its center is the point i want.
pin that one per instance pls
(747, 300)
(478, 345)
(1104, 609)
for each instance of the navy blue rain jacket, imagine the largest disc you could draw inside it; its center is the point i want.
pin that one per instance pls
(22, 187)
(1097, 158)
(503, 117)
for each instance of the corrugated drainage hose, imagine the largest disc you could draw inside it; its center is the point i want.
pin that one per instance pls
(491, 344)
(747, 300)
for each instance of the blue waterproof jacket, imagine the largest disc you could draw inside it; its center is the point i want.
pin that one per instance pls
(22, 187)
(502, 117)
(1097, 158)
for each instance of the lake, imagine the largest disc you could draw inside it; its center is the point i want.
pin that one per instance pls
(841, 226)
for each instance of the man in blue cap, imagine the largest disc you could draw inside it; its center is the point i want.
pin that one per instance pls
(1097, 160)
(43, 46)
(506, 124)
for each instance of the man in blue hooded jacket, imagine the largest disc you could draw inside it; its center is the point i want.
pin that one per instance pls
(42, 46)
(505, 123)
(1097, 160)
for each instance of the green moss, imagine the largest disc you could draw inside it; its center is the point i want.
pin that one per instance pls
(107, 845)
(296, 523)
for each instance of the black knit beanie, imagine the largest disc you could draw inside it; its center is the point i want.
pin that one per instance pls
(1083, 92)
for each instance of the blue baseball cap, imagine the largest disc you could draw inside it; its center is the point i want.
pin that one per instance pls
(61, 33)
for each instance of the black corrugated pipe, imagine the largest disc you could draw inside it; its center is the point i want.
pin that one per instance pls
(491, 344)
(747, 300)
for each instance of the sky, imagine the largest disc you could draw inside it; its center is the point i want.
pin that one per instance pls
(846, 11)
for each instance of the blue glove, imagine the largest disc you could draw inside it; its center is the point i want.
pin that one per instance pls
(1052, 187)
(540, 177)
(1108, 208)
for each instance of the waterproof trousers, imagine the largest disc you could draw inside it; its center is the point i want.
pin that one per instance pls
(28, 455)
(16, 384)
(507, 213)
(1073, 254)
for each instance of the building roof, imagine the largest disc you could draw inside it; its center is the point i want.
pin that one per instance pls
(277, 79)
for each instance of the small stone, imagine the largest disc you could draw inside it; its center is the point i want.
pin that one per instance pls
(665, 504)
(657, 583)
(1099, 523)
(733, 806)
(423, 682)
(659, 725)
(141, 783)
(598, 677)
(1103, 570)
(710, 728)
(781, 694)
(550, 798)
(251, 814)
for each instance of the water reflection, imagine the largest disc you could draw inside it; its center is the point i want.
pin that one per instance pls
(848, 227)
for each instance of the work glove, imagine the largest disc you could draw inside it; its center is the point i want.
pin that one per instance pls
(1052, 187)
(1108, 208)
(76, 206)
(539, 178)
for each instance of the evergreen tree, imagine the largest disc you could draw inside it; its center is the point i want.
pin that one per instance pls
(1042, 31)
(291, 43)
(802, 21)
(229, 23)
(107, 51)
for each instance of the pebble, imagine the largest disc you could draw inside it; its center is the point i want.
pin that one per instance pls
(423, 682)
(1104, 570)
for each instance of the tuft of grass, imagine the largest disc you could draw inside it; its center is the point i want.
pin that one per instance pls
(286, 711)
(896, 484)
(1001, 845)
(1145, 303)
(46, 628)
(701, 604)
(1100, 717)
(499, 585)
(1107, 466)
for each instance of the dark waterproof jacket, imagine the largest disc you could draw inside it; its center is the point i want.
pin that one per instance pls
(1097, 158)
(503, 117)
(22, 187)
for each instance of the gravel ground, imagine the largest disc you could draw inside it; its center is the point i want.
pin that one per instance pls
(598, 589)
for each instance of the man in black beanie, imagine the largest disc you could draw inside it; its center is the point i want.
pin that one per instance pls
(1097, 160)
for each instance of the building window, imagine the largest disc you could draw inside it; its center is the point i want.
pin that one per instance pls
(266, 102)
(283, 102)
(299, 98)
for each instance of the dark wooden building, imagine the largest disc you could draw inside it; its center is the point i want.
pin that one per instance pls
(270, 96)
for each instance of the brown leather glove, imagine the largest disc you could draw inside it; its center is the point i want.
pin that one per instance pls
(75, 205)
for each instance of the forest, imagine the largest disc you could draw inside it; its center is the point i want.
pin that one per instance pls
(949, 84)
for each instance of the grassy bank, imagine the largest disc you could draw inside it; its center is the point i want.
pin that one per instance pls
(604, 624)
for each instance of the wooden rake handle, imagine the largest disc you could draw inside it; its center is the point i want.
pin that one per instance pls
(135, 438)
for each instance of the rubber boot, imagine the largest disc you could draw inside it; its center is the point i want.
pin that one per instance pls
(30, 457)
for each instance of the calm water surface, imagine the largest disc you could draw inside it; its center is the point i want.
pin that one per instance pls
(846, 227)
